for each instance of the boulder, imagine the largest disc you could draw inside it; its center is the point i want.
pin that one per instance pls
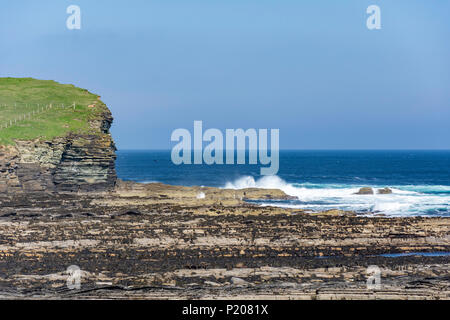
(384, 191)
(365, 190)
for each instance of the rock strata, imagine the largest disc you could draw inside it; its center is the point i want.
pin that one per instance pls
(157, 241)
(76, 162)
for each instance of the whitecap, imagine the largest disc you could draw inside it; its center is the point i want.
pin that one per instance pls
(404, 200)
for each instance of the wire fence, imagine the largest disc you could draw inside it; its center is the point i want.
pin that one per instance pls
(15, 113)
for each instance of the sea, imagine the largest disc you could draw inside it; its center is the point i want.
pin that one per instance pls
(321, 180)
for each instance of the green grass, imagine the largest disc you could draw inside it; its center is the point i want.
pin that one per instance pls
(20, 96)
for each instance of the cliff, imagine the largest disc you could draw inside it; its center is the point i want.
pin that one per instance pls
(79, 158)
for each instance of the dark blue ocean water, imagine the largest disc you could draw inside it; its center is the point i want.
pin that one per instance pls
(320, 179)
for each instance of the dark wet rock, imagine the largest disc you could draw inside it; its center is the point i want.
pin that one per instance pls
(128, 213)
(365, 190)
(67, 215)
(10, 214)
(88, 214)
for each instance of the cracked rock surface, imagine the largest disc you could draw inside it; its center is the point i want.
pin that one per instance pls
(157, 241)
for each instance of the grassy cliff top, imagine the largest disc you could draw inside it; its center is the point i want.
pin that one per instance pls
(31, 109)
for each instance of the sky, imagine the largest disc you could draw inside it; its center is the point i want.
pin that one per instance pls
(311, 69)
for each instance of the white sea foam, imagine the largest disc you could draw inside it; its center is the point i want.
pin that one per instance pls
(404, 200)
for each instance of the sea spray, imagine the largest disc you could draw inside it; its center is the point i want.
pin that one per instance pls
(320, 197)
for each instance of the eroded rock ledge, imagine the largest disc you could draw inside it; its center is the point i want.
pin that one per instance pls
(158, 241)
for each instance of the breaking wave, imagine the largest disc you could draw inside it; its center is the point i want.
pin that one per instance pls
(408, 200)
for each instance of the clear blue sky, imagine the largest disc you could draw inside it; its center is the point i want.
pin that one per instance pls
(310, 68)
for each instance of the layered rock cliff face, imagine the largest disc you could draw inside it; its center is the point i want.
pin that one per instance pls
(75, 162)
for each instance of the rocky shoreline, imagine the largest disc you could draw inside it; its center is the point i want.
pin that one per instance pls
(61, 205)
(156, 241)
